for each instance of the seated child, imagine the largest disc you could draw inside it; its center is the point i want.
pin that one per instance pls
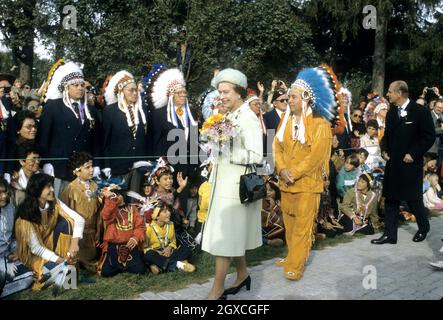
(161, 253)
(327, 224)
(347, 175)
(162, 179)
(360, 208)
(123, 238)
(431, 199)
(14, 276)
(81, 195)
(273, 229)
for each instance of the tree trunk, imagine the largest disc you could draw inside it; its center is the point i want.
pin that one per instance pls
(26, 52)
(26, 64)
(379, 59)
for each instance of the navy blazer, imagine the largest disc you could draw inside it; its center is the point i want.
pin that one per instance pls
(271, 119)
(120, 142)
(60, 133)
(161, 128)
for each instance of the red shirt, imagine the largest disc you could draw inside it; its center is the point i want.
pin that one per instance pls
(122, 224)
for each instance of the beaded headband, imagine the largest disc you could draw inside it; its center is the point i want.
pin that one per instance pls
(72, 78)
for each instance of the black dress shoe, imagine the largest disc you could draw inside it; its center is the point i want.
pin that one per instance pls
(235, 290)
(419, 236)
(222, 297)
(383, 239)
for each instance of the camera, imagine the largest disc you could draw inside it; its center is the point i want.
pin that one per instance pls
(92, 90)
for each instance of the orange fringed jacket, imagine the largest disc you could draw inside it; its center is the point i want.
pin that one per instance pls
(306, 162)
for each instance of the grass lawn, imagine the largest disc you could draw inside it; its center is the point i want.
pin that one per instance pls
(127, 286)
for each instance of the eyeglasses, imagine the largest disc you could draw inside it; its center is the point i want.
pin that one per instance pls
(358, 116)
(283, 100)
(30, 127)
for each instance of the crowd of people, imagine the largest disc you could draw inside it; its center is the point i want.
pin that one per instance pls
(111, 180)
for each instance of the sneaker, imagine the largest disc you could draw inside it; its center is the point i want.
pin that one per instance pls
(187, 267)
(154, 269)
(437, 265)
(276, 242)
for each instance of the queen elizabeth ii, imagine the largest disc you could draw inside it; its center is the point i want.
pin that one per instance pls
(231, 227)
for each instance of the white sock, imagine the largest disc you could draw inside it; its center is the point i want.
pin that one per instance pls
(180, 265)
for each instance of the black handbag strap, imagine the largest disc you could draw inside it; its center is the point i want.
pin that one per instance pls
(250, 166)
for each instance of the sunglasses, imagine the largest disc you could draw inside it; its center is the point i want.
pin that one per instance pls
(357, 116)
(283, 100)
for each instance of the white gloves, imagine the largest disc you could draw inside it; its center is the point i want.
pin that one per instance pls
(7, 177)
(48, 169)
(96, 172)
(107, 172)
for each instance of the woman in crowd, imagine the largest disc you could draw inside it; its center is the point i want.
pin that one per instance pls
(47, 230)
(30, 153)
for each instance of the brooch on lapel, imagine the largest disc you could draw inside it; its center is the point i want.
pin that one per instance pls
(403, 113)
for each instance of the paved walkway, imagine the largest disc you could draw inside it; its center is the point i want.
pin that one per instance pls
(402, 271)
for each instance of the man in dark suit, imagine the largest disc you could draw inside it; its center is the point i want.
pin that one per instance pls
(279, 101)
(125, 129)
(7, 132)
(409, 134)
(67, 124)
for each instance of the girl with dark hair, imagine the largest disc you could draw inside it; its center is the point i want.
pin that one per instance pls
(163, 180)
(47, 230)
(273, 229)
(360, 208)
(81, 195)
(29, 152)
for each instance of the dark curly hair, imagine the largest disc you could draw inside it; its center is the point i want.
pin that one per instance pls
(20, 118)
(77, 160)
(29, 208)
(26, 148)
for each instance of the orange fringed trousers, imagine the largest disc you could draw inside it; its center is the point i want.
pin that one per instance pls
(299, 213)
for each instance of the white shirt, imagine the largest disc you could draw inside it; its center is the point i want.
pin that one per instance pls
(279, 112)
(403, 106)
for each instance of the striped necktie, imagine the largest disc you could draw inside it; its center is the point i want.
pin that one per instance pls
(131, 115)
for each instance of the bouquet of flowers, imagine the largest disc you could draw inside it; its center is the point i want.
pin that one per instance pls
(218, 131)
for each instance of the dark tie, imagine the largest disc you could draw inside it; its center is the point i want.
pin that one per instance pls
(131, 115)
(399, 112)
(77, 110)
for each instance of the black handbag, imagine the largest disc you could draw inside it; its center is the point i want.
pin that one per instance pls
(252, 187)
